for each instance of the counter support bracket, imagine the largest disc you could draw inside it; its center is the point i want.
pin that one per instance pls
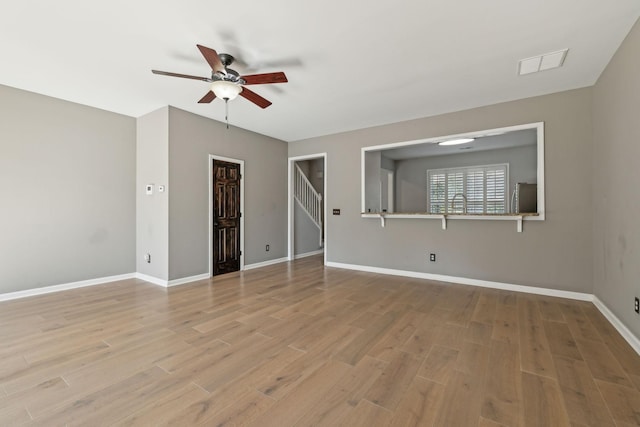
(444, 218)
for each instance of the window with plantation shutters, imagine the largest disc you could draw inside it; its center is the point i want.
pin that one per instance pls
(474, 190)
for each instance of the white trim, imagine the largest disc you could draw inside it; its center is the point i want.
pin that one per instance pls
(540, 176)
(266, 263)
(466, 281)
(184, 280)
(290, 202)
(363, 190)
(170, 283)
(152, 280)
(64, 287)
(391, 191)
(241, 163)
(633, 341)
(306, 254)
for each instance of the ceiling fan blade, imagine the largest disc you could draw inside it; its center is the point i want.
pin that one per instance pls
(213, 59)
(210, 96)
(184, 76)
(255, 98)
(261, 79)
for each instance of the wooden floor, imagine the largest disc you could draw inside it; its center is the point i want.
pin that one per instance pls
(297, 344)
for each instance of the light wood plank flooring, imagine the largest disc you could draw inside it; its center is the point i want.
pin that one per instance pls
(298, 344)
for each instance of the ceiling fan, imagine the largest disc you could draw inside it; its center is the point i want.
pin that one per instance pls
(227, 83)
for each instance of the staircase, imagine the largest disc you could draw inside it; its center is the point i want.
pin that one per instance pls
(309, 199)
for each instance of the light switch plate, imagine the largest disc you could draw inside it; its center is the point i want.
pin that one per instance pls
(149, 189)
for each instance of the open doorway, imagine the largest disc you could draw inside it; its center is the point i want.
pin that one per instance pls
(226, 223)
(307, 205)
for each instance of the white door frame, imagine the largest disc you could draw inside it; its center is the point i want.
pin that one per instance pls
(213, 157)
(290, 215)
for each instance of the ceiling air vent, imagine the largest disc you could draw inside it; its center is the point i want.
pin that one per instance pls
(543, 62)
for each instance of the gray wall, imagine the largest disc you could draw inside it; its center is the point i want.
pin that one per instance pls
(411, 174)
(616, 176)
(555, 253)
(67, 190)
(173, 150)
(191, 139)
(387, 163)
(152, 213)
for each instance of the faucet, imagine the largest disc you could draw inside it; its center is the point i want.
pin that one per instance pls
(464, 202)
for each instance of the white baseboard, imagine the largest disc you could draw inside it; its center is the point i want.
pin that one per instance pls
(466, 281)
(64, 287)
(184, 280)
(152, 280)
(169, 283)
(265, 263)
(99, 281)
(306, 254)
(620, 327)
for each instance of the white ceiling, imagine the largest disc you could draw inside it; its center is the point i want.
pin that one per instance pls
(350, 64)
(517, 138)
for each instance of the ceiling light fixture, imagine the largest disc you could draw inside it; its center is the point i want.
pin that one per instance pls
(226, 90)
(457, 141)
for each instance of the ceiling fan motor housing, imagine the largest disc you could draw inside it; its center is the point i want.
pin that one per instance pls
(231, 76)
(226, 59)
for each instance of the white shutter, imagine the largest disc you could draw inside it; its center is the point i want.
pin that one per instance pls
(455, 186)
(483, 187)
(496, 186)
(436, 195)
(475, 191)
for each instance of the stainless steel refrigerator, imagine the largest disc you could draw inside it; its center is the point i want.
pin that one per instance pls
(524, 198)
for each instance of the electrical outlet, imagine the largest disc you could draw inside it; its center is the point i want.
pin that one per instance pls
(432, 257)
(637, 305)
(147, 258)
(267, 248)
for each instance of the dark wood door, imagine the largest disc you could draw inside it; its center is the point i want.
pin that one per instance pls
(226, 217)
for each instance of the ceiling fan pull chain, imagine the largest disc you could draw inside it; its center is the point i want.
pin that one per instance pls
(226, 111)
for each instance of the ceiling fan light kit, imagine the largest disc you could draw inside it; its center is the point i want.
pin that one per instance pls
(226, 90)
